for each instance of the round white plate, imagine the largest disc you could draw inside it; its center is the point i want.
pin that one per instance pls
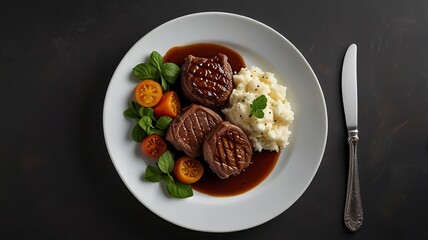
(261, 46)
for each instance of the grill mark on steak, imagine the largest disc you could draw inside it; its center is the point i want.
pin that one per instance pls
(211, 121)
(200, 74)
(197, 123)
(194, 138)
(203, 121)
(197, 128)
(188, 130)
(230, 165)
(190, 138)
(224, 167)
(207, 81)
(218, 166)
(227, 150)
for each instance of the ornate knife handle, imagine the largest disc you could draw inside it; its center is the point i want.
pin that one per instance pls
(353, 215)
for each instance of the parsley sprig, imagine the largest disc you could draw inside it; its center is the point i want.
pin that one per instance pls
(257, 106)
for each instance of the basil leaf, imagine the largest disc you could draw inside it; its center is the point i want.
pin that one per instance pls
(129, 113)
(145, 123)
(164, 84)
(138, 133)
(170, 72)
(156, 60)
(141, 111)
(166, 162)
(150, 112)
(159, 132)
(163, 122)
(168, 178)
(153, 174)
(145, 71)
(179, 190)
(135, 107)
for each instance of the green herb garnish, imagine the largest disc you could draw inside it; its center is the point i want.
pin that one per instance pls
(163, 172)
(157, 70)
(257, 106)
(147, 122)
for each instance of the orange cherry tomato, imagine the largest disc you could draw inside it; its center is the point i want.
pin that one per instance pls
(148, 93)
(188, 170)
(169, 105)
(153, 146)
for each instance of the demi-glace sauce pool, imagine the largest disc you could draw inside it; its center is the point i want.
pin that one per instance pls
(262, 162)
(207, 50)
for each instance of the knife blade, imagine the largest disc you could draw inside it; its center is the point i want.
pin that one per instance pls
(353, 213)
(349, 88)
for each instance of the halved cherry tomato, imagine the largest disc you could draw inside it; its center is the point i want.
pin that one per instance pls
(188, 170)
(169, 105)
(153, 146)
(148, 93)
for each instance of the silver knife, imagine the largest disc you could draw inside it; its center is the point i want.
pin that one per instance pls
(353, 214)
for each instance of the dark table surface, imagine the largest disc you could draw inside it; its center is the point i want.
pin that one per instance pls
(56, 61)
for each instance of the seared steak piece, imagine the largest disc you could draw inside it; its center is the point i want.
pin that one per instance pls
(227, 150)
(188, 130)
(207, 81)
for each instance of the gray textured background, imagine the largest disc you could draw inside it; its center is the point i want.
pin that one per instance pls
(56, 60)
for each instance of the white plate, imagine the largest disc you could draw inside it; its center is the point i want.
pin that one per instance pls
(259, 45)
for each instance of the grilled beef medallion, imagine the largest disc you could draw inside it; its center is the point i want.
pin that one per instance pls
(227, 150)
(207, 81)
(188, 130)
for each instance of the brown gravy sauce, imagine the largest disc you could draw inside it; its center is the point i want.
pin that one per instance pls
(262, 162)
(207, 50)
(261, 166)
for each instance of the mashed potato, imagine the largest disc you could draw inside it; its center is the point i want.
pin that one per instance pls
(270, 132)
